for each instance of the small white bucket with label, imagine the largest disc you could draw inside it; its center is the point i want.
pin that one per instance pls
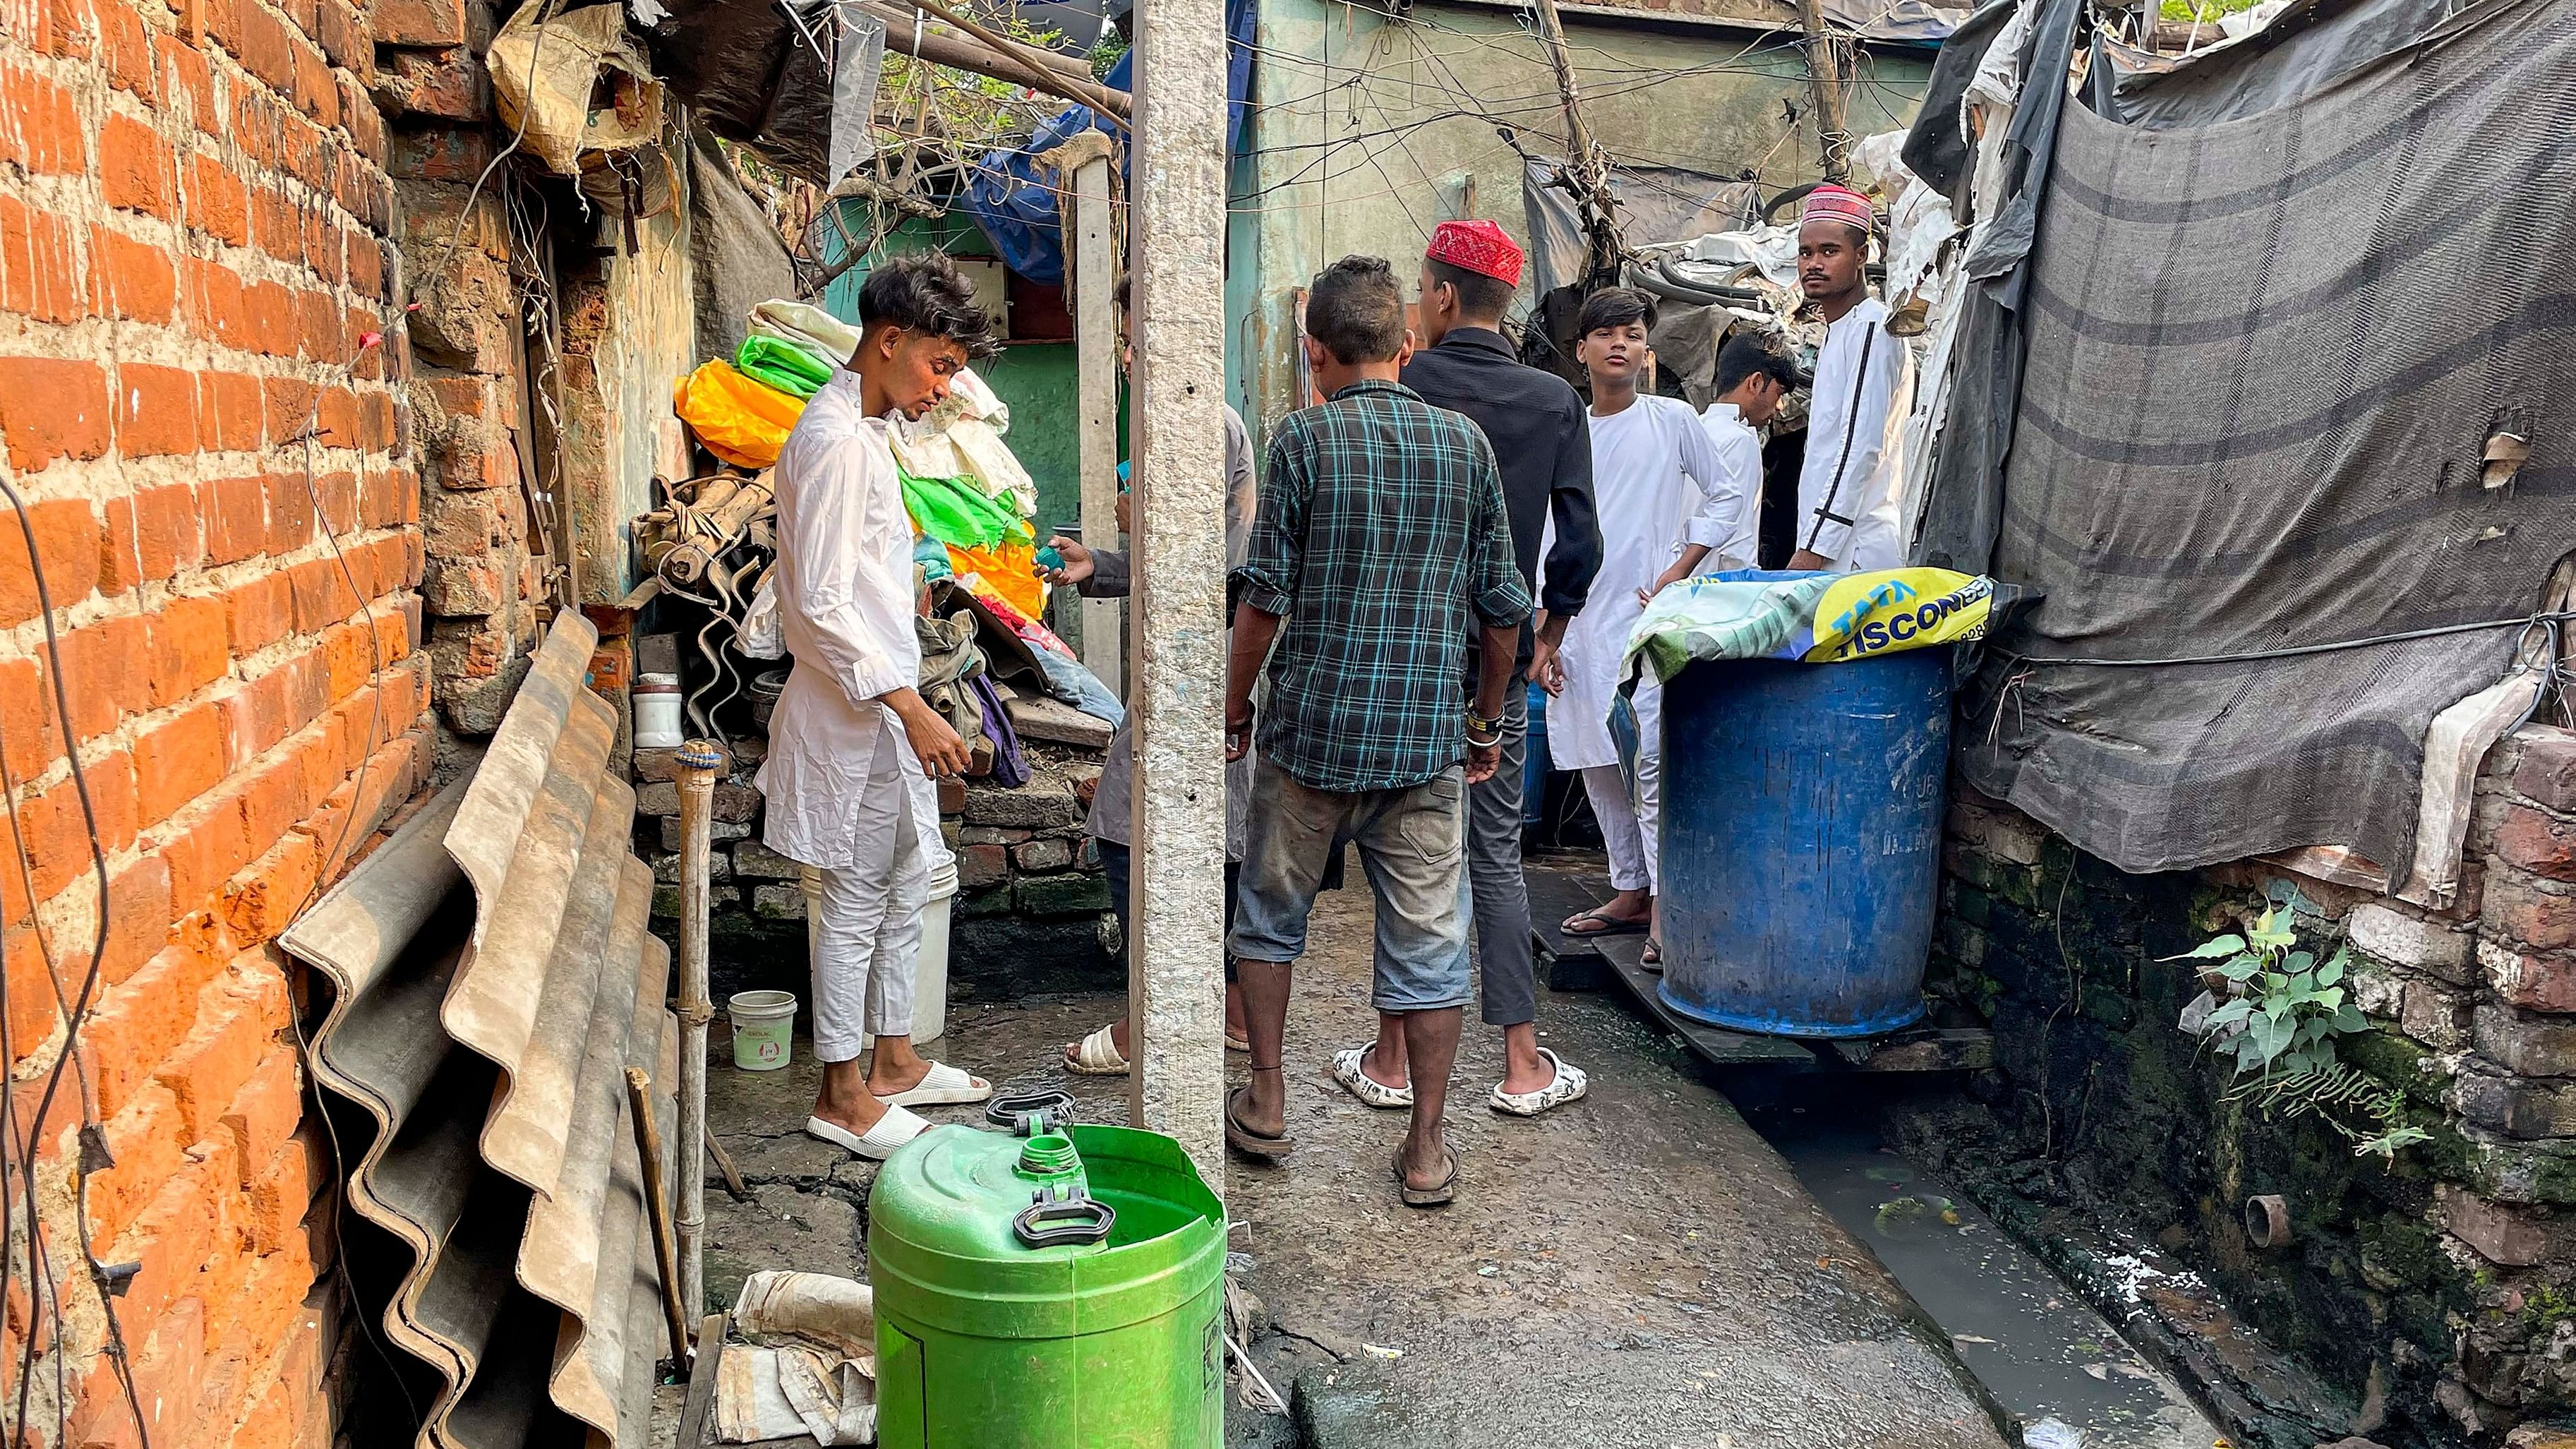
(764, 1026)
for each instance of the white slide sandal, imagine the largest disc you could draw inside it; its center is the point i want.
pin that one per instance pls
(1097, 1056)
(1568, 1085)
(942, 1086)
(894, 1129)
(1346, 1070)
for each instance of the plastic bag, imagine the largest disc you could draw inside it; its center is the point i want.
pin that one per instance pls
(826, 337)
(544, 77)
(739, 420)
(1820, 618)
(955, 511)
(781, 365)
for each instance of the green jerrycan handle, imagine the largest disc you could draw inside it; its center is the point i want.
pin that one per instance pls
(1029, 1113)
(1055, 1222)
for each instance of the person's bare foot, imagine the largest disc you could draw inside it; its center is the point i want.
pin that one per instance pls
(1524, 1070)
(894, 1067)
(1264, 1109)
(1628, 908)
(845, 1101)
(1234, 1022)
(1426, 1162)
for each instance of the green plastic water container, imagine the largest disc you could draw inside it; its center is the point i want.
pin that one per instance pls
(1060, 1287)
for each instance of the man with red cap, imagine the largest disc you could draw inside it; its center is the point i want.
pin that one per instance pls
(1535, 422)
(1849, 513)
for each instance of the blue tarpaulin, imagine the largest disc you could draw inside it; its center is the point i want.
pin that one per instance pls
(1019, 213)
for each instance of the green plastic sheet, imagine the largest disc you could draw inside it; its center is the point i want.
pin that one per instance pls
(782, 365)
(955, 510)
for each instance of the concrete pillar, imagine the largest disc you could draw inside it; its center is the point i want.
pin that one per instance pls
(1177, 282)
(1095, 332)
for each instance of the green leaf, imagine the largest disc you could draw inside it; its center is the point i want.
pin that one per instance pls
(2332, 971)
(2274, 983)
(2330, 1000)
(2243, 968)
(2299, 961)
(2230, 1012)
(2348, 1018)
(2219, 946)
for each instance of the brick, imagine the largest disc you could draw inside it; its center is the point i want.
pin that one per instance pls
(40, 128)
(218, 204)
(2530, 914)
(2517, 1108)
(2506, 1236)
(52, 408)
(68, 540)
(263, 46)
(205, 854)
(165, 530)
(231, 409)
(235, 511)
(213, 294)
(28, 735)
(322, 595)
(284, 1190)
(259, 613)
(144, 1136)
(2547, 772)
(191, 647)
(138, 914)
(107, 672)
(268, 311)
(206, 1070)
(136, 171)
(446, 83)
(156, 410)
(184, 73)
(290, 512)
(2526, 1044)
(264, 1112)
(2539, 842)
(126, 46)
(417, 22)
(39, 264)
(2435, 1015)
(180, 761)
(131, 279)
(259, 903)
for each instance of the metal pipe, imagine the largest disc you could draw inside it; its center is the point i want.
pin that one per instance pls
(657, 1209)
(699, 760)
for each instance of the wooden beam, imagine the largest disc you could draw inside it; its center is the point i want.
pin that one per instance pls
(1095, 337)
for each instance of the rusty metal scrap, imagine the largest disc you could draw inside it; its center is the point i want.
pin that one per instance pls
(490, 982)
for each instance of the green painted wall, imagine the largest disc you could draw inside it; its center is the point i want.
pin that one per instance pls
(1038, 379)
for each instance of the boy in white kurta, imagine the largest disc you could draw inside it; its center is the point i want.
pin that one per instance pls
(1849, 505)
(1657, 486)
(851, 734)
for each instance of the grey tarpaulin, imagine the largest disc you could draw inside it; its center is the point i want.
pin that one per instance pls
(1656, 204)
(2265, 360)
(736, 258)
(2301, 52)
(1964, 495)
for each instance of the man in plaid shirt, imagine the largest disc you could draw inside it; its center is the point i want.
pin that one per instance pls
(1381, 528)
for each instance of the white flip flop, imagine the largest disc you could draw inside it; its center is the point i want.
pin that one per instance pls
(942, 1086)
(891, 1131)
(1568, 1085)
(1097, 1056)
(1346, 1070)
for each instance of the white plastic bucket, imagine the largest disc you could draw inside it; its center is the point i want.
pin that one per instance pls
(930, 976)
(764, 1028)
(657, 712)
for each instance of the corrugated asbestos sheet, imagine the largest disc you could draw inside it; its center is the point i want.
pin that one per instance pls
(491, 980)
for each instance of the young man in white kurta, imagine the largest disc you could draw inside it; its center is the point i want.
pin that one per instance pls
(1657, 487)
(851, 737)
(1849, 505)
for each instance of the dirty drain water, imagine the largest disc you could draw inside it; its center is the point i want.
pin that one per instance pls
(2036, 1345)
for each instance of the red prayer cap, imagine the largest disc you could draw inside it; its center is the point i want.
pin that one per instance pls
(1837, 203)
(1478, 246)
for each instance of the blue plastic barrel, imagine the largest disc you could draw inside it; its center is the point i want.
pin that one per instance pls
(1534, 763)
(1801, 841)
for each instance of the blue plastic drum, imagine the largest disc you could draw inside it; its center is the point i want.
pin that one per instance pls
(1801, 841)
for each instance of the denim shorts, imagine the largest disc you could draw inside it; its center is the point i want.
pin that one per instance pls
(1412, 846)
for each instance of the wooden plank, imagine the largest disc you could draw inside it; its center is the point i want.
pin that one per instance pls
(702, 1381)
(1713, 1044)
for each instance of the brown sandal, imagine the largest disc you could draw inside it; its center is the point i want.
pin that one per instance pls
(1438, 1193)
(1250, 1143)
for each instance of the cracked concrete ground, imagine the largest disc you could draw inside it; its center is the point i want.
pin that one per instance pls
(1639, 1269)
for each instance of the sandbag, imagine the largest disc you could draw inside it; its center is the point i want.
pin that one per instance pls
(1817, 618)
(545, 74)
(739, 420)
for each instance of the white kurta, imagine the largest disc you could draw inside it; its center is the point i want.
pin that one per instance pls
(1848, 502)
(1729, 519)
(1654, 479)
(845, 603)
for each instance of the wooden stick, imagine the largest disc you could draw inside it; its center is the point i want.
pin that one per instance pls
(700, 762)
(702, 1381)
(724, 1164)
(1031, 70)
(657, 1211)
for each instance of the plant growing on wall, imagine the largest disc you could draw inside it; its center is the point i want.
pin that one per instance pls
(2278, 1022)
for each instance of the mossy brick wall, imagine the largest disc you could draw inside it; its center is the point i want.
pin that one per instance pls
(2448, 1276)
(196, 245)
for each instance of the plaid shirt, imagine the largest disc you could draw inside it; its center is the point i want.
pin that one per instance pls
(1381, 528)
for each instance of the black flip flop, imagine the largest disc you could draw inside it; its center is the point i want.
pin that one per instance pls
(1652, 958)
(1436, 1195)
(1250, 1143)
(1610, 926)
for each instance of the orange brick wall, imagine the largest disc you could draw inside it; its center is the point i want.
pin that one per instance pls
(196, 255)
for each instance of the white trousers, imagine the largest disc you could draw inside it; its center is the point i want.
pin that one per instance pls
(1627, 831)
(867, 937)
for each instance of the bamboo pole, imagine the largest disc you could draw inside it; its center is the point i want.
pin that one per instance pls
(1590, 183)
(1825, 80)
(1028, 66)
(699, 762)
(1095, 333)
(657, 1209)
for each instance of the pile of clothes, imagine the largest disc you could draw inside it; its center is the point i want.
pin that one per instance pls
(971, 501)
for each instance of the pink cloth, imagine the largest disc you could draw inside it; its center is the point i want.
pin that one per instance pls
(1479, 246)
(1837, 203)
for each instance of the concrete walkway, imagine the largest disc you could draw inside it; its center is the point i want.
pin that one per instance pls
(1639, 1269)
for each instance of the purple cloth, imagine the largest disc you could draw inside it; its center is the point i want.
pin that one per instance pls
(1010, 768)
